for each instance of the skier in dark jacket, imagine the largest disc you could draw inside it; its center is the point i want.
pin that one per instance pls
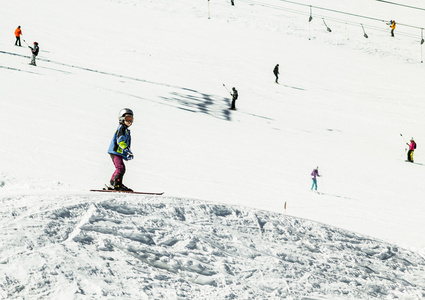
(34, 51)
(234, 95)
(276, 72)
(119, 149)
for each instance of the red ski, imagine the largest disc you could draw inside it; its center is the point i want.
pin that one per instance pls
(128, 192)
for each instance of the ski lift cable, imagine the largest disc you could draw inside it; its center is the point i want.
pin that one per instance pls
(399, 4)
(372, 27)
(325, 9)
(347, 13)
(332, 18)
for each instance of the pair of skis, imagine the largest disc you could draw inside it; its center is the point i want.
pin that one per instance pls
(108, 189)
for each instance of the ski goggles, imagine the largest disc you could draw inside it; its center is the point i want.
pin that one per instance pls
(128, 119)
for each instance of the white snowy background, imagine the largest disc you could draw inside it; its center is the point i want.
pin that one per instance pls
(220, 231)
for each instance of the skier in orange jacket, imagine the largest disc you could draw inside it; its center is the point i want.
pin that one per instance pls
(18, 33)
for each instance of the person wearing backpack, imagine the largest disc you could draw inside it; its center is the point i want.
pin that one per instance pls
(412, 147)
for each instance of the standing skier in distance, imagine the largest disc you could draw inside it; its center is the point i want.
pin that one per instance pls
(313, 177)
(18, 33)
(412, 147)
(276, 72)
(234, 95)
(392, 26)
(34, 51)
(119, 149)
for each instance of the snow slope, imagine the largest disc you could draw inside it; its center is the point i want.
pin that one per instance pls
(94, 247)
(341, 104)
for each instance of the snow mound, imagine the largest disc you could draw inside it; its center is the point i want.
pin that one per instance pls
(89, 246)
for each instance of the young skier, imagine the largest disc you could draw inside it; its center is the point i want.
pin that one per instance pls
(234, 95)
(276, 72)
(34, 51)
(18, 33)
(119, 149)
(313, 177)
(412, 147)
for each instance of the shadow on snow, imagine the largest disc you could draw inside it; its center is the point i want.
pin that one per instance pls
(188, 100)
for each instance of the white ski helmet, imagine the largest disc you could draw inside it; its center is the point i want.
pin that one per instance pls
(123, 112)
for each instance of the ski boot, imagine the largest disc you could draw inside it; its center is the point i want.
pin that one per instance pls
(118, 185)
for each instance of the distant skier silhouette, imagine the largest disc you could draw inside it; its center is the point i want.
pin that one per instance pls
(314, 174)
(234, 95)
(18, 33)
(412, 147)
(392, 26)
(276, 72)
(34, 51)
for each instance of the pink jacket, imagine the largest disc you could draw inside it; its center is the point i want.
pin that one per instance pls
(315, 173)
(412, 145)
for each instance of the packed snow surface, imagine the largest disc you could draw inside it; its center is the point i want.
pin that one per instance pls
(238, 219)
(78, 246)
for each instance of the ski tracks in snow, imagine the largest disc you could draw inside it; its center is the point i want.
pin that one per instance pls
(144, 247)
(84, 219)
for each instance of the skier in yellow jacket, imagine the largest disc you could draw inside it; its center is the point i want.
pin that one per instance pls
(392, 26)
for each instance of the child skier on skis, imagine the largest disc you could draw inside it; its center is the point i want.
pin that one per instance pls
(119, 149)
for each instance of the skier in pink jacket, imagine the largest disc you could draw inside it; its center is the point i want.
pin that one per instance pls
(412, 147)
(313, 177)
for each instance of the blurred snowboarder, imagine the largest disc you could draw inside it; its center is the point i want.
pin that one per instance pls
(232, 2)
(412, 147)
(34, 51)
(276, 72)
(234, 95)
(315, 174)
(392, 26)
(119, 149)
(18, 33)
